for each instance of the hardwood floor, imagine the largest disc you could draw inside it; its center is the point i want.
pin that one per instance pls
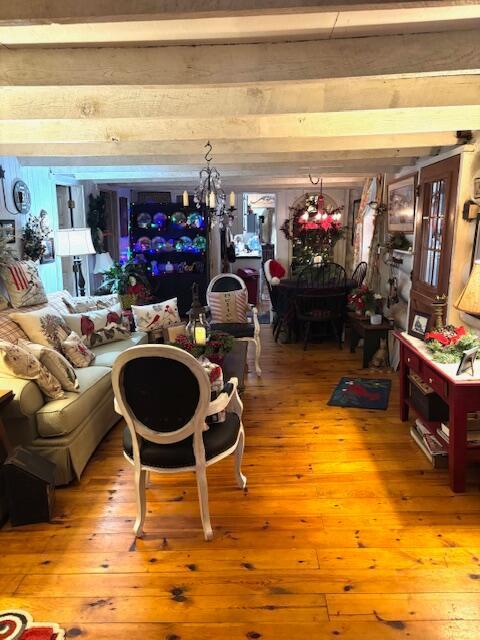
(344, 532)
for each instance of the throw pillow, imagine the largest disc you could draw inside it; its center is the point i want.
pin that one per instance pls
(80, 304)
(98, 327)
(76, 352)
(156, 316)
(43, 326)
(228, 306)
(22, 283)
(55, 362)
(20, 363)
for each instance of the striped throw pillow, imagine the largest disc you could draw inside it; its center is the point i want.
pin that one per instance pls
(228, 306)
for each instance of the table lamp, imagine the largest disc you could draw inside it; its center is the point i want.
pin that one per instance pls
(75, 243)
(469, 300)
(103, 262)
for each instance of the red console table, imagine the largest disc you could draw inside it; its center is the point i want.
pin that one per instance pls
(461, 393)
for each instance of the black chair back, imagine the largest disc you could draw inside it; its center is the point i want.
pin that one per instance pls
(319, 307)
(226, 283)
(358, 276)
(323, 276)
(163, 394)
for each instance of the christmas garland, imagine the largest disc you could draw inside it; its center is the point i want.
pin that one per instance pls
(448, 344)
(217, 347)
(313, 228)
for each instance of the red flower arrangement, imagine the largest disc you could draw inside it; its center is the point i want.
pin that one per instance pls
(447, 336)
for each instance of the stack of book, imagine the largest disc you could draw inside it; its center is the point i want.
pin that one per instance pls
(434, 448)
(473, 429)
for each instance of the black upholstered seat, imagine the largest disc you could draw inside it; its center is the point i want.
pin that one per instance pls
(220, 437)
(235, 329)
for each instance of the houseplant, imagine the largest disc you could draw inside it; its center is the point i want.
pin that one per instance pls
(129, 281)
(33, 239)
(364, 301)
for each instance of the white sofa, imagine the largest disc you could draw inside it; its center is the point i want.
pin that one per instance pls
(65, 431)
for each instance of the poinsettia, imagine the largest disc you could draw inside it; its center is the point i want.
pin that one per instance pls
(448, 344)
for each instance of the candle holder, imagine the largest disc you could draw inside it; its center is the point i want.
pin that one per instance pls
(197, 328)
(439, 305)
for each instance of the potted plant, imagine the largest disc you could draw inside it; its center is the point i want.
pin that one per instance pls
(33, 239)
(129, 281)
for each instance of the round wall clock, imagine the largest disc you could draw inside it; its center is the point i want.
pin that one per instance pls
(21, 196)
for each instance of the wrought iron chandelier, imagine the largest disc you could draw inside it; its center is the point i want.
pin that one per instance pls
(209, 193)
(315, 209)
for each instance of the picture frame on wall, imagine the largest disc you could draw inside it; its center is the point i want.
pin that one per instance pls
(49, 253)
(401, 197)
(7, 228)
(419, 324)
(476, 188)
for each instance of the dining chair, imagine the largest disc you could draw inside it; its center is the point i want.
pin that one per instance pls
(244, 331)
(328, 275)
(358, 276)
(163, 393)
(272, 283)
(323, 308)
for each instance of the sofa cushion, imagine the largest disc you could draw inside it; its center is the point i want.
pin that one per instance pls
(106, 354)
(60, 417)
(44, 325)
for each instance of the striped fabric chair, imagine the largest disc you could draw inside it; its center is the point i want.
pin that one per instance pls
(248, 329)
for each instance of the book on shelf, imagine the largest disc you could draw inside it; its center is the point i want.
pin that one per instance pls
(433, 447)
(473, 428)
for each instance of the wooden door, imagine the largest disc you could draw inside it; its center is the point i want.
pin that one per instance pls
(434, 235)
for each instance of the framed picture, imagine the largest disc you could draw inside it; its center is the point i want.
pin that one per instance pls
(419, 324)
(7, 227)
(467, 361)
(49, 254)
(476, 188)
(401, 204)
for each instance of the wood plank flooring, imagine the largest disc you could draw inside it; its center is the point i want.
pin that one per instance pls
(344, 531)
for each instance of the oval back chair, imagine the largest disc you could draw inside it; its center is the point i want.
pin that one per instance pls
(164, 395)
(244, 331)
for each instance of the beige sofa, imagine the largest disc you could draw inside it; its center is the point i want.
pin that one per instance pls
(66, 431)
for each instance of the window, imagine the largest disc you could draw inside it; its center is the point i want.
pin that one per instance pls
(433, 226)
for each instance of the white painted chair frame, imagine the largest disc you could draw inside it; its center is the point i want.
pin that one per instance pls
(256, 336)
(196, 426)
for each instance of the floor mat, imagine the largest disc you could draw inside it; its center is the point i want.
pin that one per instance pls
(361, 393)
(17, 624)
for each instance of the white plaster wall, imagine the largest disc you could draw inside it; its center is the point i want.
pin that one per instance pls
(43, 196)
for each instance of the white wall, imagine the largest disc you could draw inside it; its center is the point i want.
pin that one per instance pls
(43, 196)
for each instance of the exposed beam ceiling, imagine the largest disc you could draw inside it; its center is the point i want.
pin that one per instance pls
(103, 25)
(298, 86)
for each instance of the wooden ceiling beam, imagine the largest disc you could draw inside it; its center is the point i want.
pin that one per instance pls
(392, 157)
(293, 97)
(452, 53)
(26, 11)
(233, 24)
(298, 125)
(231, 147)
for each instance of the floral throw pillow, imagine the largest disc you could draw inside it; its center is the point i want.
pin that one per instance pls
(98, 327)
(80, 304)
(16, 362)
(43, 326)
(76, 352)
(22, 283)
(156, 316)
(228, 306)
(55, 362)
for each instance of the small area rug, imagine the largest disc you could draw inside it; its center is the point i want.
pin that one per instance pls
(19, 625)
(361, 393)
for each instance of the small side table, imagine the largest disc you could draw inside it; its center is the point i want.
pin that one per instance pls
(360, 327)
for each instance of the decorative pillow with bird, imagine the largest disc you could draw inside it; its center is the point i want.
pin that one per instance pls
(98, 327)
(161, 315)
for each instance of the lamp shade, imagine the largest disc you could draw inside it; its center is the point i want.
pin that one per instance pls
(469, 300)
(73, 242)
(103, 262)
